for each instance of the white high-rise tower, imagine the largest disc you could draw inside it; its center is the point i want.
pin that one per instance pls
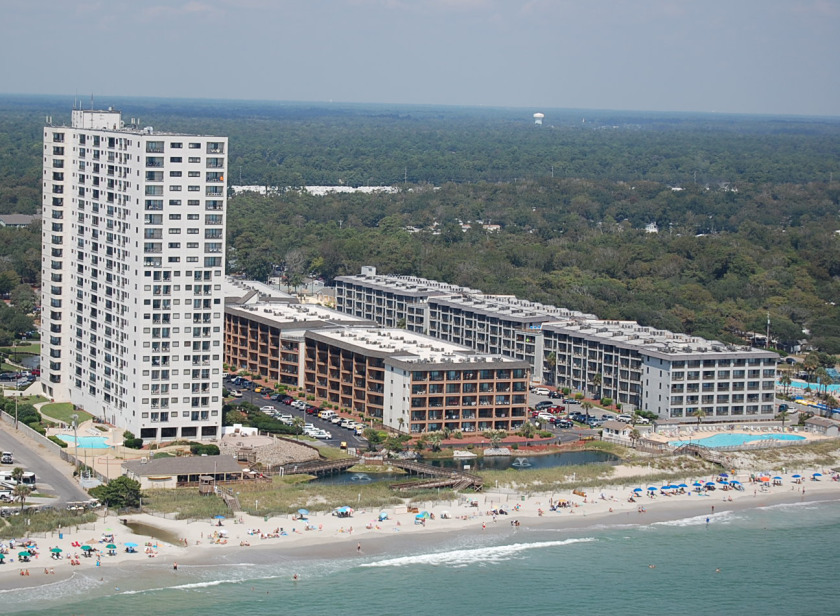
(133, 251)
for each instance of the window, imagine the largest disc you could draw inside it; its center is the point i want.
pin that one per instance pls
(195, 146)
(176, 145)
(194, 188)
(175, 174)
(174, 217)
(174, 202)
(192, 216)
(175, 188)
(195, 174)
(175, 159)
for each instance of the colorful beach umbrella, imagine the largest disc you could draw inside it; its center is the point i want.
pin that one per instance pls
(697, 484)
(56, 550)
(86, 548)
(24, 554)
(131, 545)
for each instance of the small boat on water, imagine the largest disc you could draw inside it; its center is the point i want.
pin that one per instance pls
(460, 453)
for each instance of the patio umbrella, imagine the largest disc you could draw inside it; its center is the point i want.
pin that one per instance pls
(638, 490)
(797, 476)
(218, 517)
(24, 554)
(697, 484)
(131, 545)
(2, 556)
(777, 477)
(710, 483)
(86, 548)
(111, 546)
(764, 479)
(303, 511)
(682, 485)
(734, 482)
(56, 550)
(817, 475)
(652, 489)
(723, 482)
(724, 475)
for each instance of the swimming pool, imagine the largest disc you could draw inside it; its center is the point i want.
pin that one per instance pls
(86, 442)
(738, 438)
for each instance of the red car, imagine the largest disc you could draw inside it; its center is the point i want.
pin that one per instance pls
(554, 410)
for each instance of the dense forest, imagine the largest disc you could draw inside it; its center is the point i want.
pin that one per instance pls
(746, 207)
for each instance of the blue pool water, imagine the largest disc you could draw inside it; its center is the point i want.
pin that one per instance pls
(86, 442)
(730, 440)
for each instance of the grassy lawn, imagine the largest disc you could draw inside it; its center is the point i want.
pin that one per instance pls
(61, 411)
(33, 348)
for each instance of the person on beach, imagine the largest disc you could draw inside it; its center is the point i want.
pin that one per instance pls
(174, 566)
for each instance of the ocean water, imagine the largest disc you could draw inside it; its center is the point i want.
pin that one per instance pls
(780, 559)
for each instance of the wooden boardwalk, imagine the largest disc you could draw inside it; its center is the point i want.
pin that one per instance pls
(437, 477)
(701, 451)
(320, 467)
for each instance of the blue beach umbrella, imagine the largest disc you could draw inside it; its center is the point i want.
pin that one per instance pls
(682, 485)
(724, 474)
(777, 477)
(797, 476)
(734, 482)
(303, 511)
(710, 483)
(131, 545)
(652, 489)
(638, 490)
(817, 475)
(218, 517)
(697, 484)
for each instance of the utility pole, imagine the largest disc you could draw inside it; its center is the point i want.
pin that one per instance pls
(767, 341)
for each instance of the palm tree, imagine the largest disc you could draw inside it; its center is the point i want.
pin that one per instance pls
(20, 493)
(17, 474)
(527, 430)
(810, 364)
(551, 362)
(783, 413)
(785, 381)
(597, 379)
(400, 423)
(586, 405)
(821, 374)
(699, 414)
(635, 435)
(495, 437)
(434, 441)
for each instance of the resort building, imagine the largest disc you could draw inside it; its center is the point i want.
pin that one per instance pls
(266, 337)
(414, 383)
(673, 375)
(133, 252)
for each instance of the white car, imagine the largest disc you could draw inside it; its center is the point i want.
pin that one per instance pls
(236, 393)
(299, 404)
(541, 391)
(347, 423)
(267, 409)
(285, 418)
(625, 418)
(323, 434)
(337, 419)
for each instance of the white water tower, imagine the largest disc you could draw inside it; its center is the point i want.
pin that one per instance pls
(538, 118)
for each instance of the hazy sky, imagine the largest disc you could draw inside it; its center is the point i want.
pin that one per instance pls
(742, 56)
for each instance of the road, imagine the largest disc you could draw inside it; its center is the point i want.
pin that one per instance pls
(53, 475)
(339, 435)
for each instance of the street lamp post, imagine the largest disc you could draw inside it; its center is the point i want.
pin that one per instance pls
(75, 419)
(16, 412)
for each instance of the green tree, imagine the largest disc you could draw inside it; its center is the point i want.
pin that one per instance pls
(587, 406)
(635, 435)
(20, 492)
(527, 430)
(118, 493)
(17, 474)
(597, 380)
(699, 414)
(23, 298)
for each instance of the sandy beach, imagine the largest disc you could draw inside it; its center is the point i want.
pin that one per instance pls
(252, 539)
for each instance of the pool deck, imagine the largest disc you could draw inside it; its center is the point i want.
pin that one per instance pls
(761, 433)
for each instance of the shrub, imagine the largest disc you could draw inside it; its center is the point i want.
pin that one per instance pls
(202, 449)
(132, 442)
(578, 396)
(606, 401)
(38, 428)
(57, 441)
(566, 391)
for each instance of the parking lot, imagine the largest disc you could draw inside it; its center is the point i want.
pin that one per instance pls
(337, 434)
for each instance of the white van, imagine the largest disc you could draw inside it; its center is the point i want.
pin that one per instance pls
(327, 415)
(7, 458)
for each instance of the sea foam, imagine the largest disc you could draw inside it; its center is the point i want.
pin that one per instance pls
(456, 558)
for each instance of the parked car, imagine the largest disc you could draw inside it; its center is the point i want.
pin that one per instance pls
(541, 391)
(544, 404)
(571, 401)
(642, 420)
(564, 423)
(267, 409)
(555, 394)
(323, 434)
(557, 408)
(259, 390)
(236, 393)
(624, 417)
